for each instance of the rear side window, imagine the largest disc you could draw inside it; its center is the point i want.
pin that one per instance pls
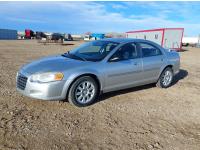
(149, 50)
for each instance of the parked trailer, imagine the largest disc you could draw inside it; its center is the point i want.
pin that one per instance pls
(77, 36)
(166, 37)
(7, 34)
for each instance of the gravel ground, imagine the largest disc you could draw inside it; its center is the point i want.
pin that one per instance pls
(139, 118)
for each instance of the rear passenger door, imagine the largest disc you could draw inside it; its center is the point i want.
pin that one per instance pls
(153, 60)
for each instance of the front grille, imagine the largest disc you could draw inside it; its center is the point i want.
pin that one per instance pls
(21, 81)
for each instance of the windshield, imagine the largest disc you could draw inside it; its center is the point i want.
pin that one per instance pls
(93, 51)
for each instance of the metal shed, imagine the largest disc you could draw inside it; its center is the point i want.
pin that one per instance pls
(166, 37)
(7, 34)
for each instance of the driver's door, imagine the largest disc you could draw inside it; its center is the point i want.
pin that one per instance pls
(123, 69)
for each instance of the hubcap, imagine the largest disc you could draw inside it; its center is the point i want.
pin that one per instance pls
(85, 92)
(167, 78)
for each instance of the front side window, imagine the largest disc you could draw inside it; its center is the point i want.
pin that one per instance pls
(94, 51)
(127, 51)
(149, 50)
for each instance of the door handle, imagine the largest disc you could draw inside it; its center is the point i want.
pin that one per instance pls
(162, 59)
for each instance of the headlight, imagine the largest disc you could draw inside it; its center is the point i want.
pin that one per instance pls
(47, 77)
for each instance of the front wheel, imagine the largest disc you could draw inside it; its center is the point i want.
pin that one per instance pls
(83, 91)
(166, 78)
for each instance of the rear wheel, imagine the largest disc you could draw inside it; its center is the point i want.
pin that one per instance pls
(83, 91)
(166, 78)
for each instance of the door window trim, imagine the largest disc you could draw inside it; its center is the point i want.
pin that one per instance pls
(136, 47)
(139, 46)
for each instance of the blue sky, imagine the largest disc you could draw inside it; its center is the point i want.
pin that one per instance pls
(80, 17)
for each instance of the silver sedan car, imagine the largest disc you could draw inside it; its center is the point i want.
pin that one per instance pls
(101, 66)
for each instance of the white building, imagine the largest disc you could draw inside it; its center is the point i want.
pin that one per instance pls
(190, 41)
(166, 37)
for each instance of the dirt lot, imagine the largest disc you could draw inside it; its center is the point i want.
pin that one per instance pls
(139, 118)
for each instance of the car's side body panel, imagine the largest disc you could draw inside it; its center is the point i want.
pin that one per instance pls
(120, 74)
(152, 67)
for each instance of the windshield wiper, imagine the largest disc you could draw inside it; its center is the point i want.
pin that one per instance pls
(74, 56)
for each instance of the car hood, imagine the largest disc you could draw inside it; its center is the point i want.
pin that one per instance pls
(52, 64)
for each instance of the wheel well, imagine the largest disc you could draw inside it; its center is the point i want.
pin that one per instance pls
(86, 74)
(170, 66)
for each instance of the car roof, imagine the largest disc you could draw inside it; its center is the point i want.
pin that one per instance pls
(123, 40)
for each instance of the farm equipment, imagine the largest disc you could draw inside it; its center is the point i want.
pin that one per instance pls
(29, 34)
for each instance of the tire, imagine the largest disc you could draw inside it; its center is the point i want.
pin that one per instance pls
(166, 78)
(83, 92)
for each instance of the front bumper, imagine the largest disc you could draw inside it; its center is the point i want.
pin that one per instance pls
(46, 91)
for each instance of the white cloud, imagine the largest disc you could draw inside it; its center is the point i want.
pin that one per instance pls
(118, 6)
(98, 19)
(93, 16)
(25, 20)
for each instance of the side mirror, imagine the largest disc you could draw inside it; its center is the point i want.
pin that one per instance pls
(114, 59)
